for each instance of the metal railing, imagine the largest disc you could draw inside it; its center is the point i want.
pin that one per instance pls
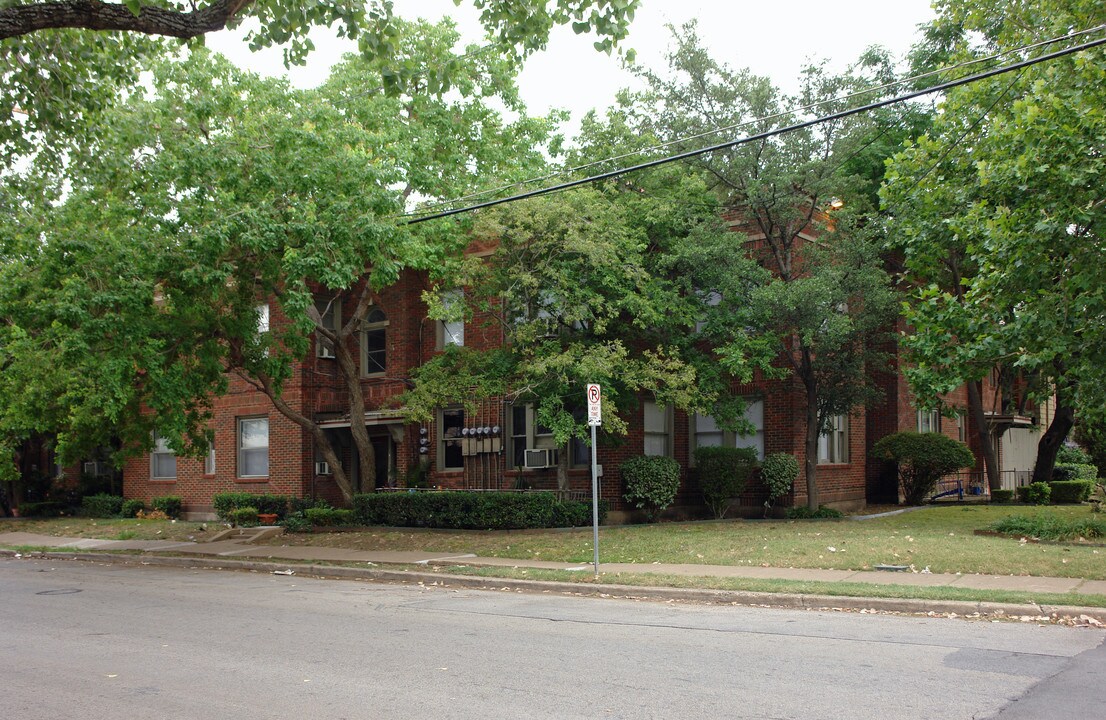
(974, 482)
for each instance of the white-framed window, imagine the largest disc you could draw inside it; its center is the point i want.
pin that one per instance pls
(657, 421)
(374, 343)
(253, 447)
(163, 461)
(262, 318)
(209, 459)
(962, 426)
(706, 432)
(929, 421)
(452, 332)
(331, 312)
(450, 448)
(833, 445)
(526, 433)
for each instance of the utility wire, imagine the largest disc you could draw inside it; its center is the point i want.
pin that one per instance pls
(769, 133)
(746, 123)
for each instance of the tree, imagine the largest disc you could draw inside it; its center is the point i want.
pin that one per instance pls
(63, 62)
(573, 290)
(922, 460)
(239, 191)
(998, 213)
(821, 300)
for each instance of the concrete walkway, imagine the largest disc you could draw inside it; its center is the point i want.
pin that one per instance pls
(237, 548)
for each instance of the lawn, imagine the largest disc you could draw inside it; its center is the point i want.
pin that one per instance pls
(940, 538)
(111, 528)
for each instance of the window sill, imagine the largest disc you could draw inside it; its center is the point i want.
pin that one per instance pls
(264, 479)
(163, 480)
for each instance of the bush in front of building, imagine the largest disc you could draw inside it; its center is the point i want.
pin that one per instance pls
(243, 516)
(1037, 493)
(47, 508)
(1074, 471)
(1002, 496)
(1070, 492)
(723, 474)
(131, 508)
(469, 510)
(328, 516)
(226, 503)
(651, 483)
(102, 505)
(922, 459)
(171, 505)
(779, 471)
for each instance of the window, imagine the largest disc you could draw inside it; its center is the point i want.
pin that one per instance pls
(163, 461)
(450, 450)
(929, 421)
(331, 312)
(526, 433)
(962, 427)
(658, 428)
(833, 445)
(209, 461)
(262, 319)
(710, 299)
(452, 332)
(374, 348)
(253, 447)
(754, 415)
(707, 433)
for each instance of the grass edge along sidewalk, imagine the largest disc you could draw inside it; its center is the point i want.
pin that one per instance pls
(1094, 617)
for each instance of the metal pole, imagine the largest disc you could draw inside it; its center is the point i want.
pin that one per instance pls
(595, 501)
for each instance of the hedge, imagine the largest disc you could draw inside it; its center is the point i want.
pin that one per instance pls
(328, 516)
(226, 503)
(48, 508)
(723, 474)
(1067, 492)
(470, 510)
(132, 508)
(1037, 493)
(1074, 471)
(101, 506)
(169, 504)
(651, 483)
(1002, 496)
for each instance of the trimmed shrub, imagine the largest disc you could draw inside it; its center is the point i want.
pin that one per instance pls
(779, 472)
(243, 516)
(1070, 492)
(49, 508)
(1002, 496)
(922, 459)
(168, 504)
(299, 505)
(802, 512)
(1037, 493)
(577, 513)
(226, 502)
(296, 523)
(723, 474)
(651, 483)
(328, 517)
(131, 508)
(469, 510)
(101, 506)
(1074, 471)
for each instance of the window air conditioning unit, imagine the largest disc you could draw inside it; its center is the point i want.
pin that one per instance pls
(322, 468)
(540, 459)
(325, 351)
(96, 469)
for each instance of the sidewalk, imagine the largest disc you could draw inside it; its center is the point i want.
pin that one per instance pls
(237, 548)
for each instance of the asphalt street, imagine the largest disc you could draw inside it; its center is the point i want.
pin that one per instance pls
(107, 641)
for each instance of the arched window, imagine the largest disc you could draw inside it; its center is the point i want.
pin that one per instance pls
(374, 353)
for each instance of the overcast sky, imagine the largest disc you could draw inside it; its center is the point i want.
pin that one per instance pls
(771, 38)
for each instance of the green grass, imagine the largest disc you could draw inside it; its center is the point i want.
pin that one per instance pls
(940, 538)
(1049, 526)
(110, 528)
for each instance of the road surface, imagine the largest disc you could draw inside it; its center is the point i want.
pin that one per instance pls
(105, 641)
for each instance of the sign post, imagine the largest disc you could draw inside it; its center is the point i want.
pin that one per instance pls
(595, 419)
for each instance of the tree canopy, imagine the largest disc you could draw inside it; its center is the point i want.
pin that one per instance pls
(999, 214)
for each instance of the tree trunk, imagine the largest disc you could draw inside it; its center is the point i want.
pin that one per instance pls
(986, 446)
(562, 471)
(1054, 437)
(366, 454)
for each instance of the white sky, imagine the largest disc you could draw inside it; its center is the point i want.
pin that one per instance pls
(771, 38)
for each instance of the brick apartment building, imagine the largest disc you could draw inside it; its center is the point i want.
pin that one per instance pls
(258, 449)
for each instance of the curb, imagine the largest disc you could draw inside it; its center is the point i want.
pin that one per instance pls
(791, 601)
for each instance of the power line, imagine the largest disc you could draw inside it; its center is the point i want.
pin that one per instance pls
(755, 121)
(769, 133)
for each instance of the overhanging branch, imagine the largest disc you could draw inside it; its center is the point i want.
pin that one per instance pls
(93, 15)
